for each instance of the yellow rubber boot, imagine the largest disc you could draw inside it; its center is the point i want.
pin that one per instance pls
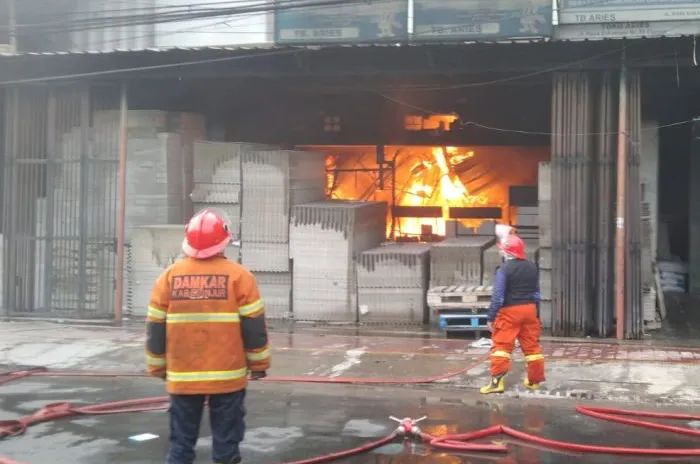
(497, 385)
(531, 386)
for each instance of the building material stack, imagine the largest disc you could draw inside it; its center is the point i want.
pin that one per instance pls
(154, 181)
(274, 182)
(392, 282)
(325, 239)
(151, 250)
(159, 174)
(459, 260)
(217, 180)
(544, 198)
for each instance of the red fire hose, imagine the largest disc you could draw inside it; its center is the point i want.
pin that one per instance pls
(408, 427)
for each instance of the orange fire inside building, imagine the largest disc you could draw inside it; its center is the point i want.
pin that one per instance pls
(444, 177)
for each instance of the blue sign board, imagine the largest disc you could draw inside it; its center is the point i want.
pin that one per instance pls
(371, 21)
(621, 11)
(481, 20)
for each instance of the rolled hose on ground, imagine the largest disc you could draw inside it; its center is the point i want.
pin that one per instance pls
(456, 442)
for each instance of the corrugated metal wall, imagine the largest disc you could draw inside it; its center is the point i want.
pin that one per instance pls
(604, 203)
(59, 180)
(634, 311)
(572, 155)
(584, 119)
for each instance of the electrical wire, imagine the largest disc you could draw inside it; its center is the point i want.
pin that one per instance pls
(110, 72)
(381, 94)
(191, 14)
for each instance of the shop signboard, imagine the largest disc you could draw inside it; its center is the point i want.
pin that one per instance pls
(322, 23)
(626, 30)
(481, 20)
(626, 11)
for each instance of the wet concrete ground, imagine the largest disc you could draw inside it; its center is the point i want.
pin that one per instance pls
(295, 421)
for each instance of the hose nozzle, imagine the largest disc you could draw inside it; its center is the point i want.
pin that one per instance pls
(408, 426)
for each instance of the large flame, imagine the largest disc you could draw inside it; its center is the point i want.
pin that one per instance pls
(431, 176)
(434, 183)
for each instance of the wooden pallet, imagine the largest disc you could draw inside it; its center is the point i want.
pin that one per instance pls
(459, 297)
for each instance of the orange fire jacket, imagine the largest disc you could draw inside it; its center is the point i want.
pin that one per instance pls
(206, 327)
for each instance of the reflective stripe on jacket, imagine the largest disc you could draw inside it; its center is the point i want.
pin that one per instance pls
(206, 327)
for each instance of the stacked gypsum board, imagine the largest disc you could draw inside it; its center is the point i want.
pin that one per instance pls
(325, 239)
(150, 251)
(274, 181)
(545, 234)
(392, 281)
(458, 261)
(217, 179)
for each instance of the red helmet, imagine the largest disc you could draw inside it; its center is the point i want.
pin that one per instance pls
(206, 235)
(512, 247)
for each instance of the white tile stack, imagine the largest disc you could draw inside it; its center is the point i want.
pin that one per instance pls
(276, 290)
(150, 250)
(274, 181)
(544, 190)
(392, 281)
(458, 261)
(217, 179)
(154, 181)
(325, 239)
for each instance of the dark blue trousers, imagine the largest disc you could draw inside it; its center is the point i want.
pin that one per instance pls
(226, 414)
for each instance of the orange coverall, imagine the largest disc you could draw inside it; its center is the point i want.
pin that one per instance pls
(514, 315)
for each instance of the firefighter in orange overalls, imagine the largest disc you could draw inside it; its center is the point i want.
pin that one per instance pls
(206, 333)
(514, 315)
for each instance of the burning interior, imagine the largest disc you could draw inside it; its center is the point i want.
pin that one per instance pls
(427, 186)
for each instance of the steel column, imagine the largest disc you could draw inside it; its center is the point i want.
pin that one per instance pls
(622, 137)
(121, 208)
(634, 310)
(83, 213)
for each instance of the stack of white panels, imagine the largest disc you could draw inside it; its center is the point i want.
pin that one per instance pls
(273, 182)
(325, 239)
(154, 183)
(276, 290)
(151, 250)
(217, 179)
(392, 282)
(458, 261)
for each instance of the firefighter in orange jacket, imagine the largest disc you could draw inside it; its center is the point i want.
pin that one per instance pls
(206, 332)
(514, 315)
